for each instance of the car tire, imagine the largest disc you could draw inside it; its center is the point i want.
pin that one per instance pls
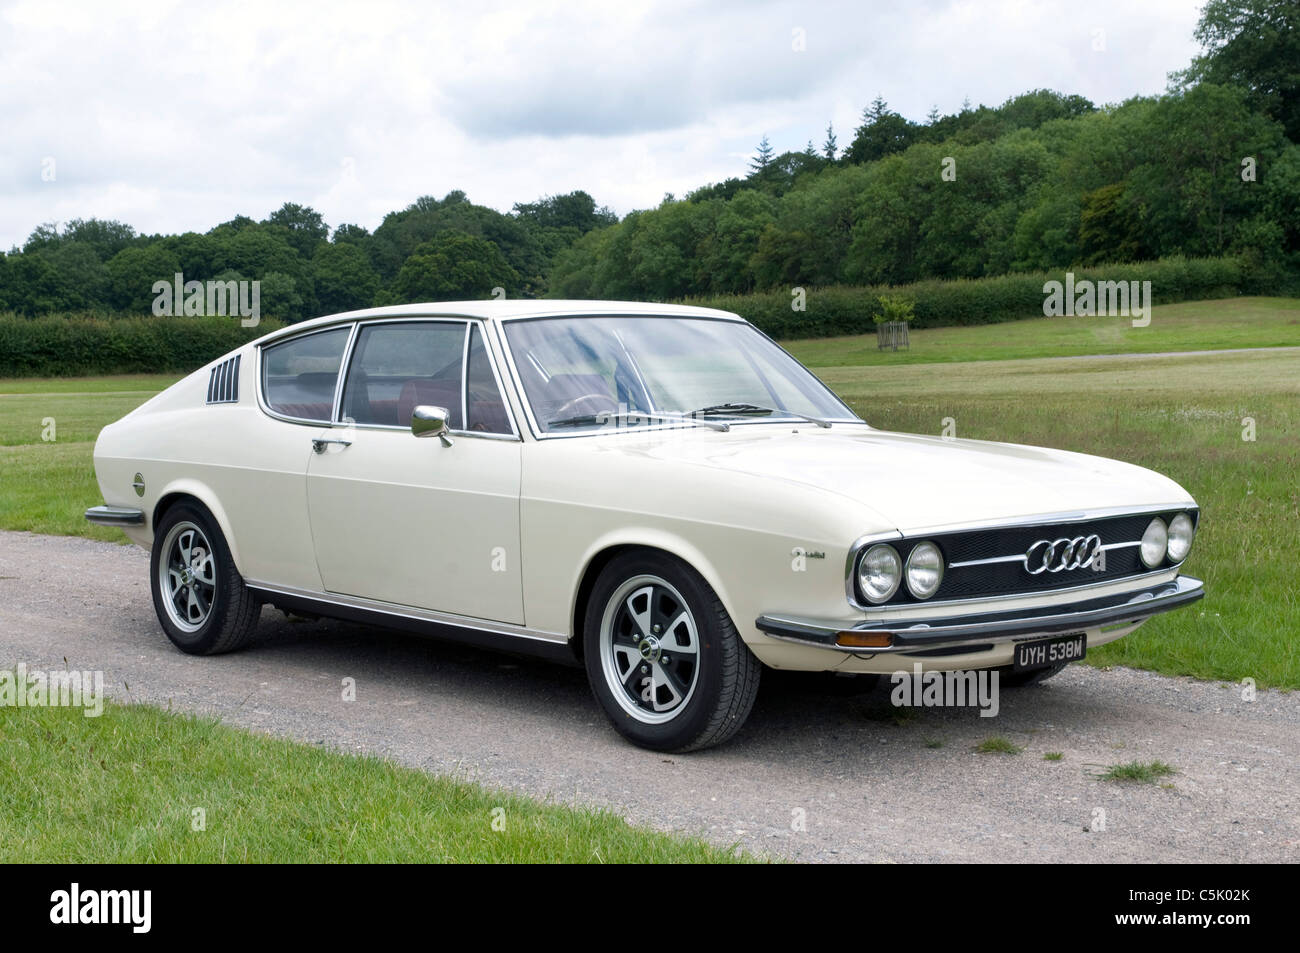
(664, 658)
(1035, 676)
(199, 595)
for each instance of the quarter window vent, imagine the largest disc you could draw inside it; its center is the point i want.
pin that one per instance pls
(223, 382)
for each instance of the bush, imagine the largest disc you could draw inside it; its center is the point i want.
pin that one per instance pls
(895, 308)
(78, 345)
(842, 309)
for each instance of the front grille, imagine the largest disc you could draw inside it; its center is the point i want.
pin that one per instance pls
(1012, 578)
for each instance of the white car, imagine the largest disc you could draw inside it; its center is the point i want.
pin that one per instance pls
(658, 492)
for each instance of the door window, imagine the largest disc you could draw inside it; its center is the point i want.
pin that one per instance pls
(398, 367)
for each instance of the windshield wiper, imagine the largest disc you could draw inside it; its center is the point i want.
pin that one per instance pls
(583, 420)
(753, 410)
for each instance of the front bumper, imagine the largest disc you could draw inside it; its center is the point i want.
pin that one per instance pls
(915, 635)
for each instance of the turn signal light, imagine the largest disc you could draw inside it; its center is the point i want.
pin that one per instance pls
(865, 640)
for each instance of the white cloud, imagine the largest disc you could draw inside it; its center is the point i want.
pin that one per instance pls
(174, 116)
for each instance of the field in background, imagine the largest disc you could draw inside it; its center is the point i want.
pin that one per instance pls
(1193, 326)
(1180, 415)
(46, 485)
(123, 787)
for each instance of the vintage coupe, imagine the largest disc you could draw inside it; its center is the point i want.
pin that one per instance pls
(658, 492)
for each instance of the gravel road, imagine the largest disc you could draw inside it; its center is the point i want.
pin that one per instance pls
(812, 777)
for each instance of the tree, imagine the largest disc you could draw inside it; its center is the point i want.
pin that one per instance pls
(727, 251)
(305, 226)
(883, 132)
(1108, 227)
(278, 297)
(82, 277)
(427, 218)
(762, 159)
(576, 210)
(1254, 44)
(453, 266)
(32, 285)
(105, 236)
(830, 146)
(343, 278)
(352, 235)
(132, 273)
(1187, 190)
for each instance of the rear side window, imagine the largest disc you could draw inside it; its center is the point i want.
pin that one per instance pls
(299, 376)
(398, 367)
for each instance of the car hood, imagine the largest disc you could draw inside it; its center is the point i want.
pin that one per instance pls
(921, 482)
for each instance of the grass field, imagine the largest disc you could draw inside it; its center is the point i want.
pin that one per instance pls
(1191, 326)
(1181, 415)
(46, 485)
(124, 788)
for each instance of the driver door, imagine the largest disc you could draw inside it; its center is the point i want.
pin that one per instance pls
(410, 521)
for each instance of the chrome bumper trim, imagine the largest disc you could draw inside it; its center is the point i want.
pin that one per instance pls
(115, 515)
(1110, 611)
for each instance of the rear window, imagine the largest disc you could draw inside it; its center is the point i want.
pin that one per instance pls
(299, 376)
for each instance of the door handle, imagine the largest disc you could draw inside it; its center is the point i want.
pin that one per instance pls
(319, 443)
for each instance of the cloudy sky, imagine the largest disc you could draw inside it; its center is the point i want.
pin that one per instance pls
(175, 116)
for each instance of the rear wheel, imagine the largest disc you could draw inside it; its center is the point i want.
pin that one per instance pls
(663, 657)
(200, 598)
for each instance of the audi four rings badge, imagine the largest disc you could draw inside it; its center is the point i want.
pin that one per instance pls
(1057, 555)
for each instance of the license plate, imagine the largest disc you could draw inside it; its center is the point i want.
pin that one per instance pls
(1045, 652)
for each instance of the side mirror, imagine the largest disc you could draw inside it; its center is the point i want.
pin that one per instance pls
(427, 421)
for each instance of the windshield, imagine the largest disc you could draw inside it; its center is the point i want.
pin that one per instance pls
(587, 373)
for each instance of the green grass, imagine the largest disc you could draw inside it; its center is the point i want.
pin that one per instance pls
(46, 486)
(1053, 756)
(124, 383)
(123, 788)
(1190, 326)
(1140, 772)
(998, 745)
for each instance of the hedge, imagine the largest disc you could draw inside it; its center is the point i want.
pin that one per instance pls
(77, 345)
(842, 309)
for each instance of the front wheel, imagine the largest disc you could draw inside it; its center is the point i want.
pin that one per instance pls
(199, 595)
(663, 656)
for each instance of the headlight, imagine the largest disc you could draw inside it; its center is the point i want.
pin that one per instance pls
(879, 572)
(1181, 532)
(1155, 542)
(924, 570)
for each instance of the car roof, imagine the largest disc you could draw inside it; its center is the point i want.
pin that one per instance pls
(511, 308)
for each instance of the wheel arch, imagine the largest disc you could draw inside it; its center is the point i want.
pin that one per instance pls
(181, 491)
(604, 551)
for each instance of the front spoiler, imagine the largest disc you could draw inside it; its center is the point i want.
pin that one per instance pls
(913, 635)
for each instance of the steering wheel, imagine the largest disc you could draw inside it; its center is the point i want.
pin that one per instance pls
(570, 408)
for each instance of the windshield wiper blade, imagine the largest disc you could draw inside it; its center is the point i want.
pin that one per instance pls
(647, 415)
(753, 410)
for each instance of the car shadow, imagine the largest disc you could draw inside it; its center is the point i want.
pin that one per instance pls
(808, 711)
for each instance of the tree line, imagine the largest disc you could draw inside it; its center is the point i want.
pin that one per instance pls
(435, 249)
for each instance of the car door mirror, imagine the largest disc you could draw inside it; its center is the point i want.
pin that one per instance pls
(428, 421)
